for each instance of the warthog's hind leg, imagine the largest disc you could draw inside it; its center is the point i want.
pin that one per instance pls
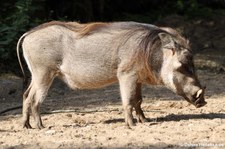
(43, 80)
(28, 94)
(35, 95)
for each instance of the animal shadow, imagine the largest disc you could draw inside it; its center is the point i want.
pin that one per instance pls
(174, 117)
(179, 117)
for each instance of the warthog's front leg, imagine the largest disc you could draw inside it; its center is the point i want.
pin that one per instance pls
(137, 105)
(128, 84)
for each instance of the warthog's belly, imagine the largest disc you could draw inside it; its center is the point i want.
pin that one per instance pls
(87, 77)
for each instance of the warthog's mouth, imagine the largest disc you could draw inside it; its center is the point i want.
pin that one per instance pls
(200, 102)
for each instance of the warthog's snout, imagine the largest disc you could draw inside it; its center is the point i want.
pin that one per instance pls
(200, 102)
(197, 99)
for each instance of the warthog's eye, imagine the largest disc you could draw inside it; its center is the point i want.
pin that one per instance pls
(186, 69)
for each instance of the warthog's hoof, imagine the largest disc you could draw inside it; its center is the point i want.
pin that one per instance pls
(40, 126)
(141, 119)
(27, 125)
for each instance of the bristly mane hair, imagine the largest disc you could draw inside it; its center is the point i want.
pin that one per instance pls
(148, 45)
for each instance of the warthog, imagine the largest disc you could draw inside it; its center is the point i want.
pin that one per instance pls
(94, 55)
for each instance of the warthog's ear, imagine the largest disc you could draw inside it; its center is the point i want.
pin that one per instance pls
(167, 41)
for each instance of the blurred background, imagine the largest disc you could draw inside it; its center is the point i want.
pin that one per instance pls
(201, 21)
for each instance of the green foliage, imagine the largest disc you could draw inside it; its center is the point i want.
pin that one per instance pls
(12, 26)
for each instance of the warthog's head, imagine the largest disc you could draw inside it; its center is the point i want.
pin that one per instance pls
(177, 70)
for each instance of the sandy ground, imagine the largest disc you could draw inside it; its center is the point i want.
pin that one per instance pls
(94, 118)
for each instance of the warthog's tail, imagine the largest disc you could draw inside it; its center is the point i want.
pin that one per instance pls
(25, 80)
